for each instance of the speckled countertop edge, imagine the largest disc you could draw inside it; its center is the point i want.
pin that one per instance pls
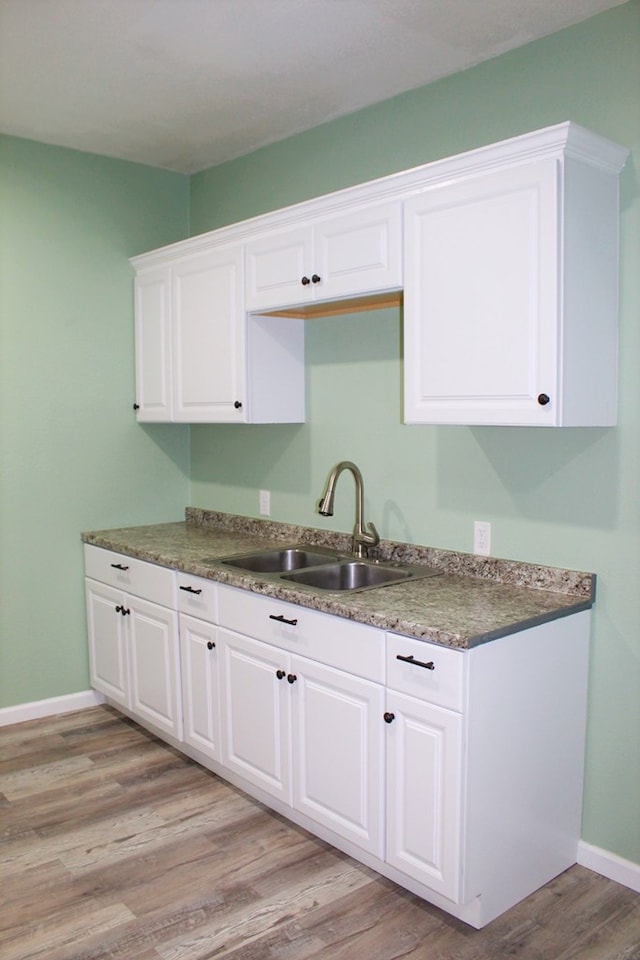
(476, 599)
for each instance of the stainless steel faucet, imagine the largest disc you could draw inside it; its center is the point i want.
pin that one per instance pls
(361, 539)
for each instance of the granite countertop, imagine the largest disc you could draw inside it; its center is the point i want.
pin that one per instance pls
(476, 599)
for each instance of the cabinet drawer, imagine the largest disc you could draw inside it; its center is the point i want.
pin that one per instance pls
(354, 647)
(133, 576)
(197, 597)
(441, 684)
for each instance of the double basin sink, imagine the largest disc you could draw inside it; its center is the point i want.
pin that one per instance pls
(326, 570)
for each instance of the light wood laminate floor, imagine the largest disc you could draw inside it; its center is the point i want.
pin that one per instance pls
(115, 846)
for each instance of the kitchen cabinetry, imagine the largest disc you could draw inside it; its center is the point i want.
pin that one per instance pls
(425, 762)
(198, 358)
(306, 732)
(256, 714)
(449, 771)
(508, 258)
(510, 289)
(133, 637)
(484, 767)
(189, 339)
(350, 254)
(199, 649)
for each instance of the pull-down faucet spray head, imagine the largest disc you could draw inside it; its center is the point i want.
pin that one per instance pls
(325, 503)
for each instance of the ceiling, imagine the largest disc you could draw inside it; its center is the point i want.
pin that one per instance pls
(186, 84)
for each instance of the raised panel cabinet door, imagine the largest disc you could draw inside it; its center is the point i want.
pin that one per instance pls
(279, 269)
(200, 688)
(154, 665)
(338, 752)
(424, 783)
(359, 252)
(481, 310)
(208, 338)
(256, 713)
(152, 293)
(107, 641)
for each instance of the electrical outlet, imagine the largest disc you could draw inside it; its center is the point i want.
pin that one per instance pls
(482, 537)
(265, 503)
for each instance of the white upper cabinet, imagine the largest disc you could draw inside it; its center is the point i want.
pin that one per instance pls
(208, 337)
(190, 339)
(511, 278)
(154, 386)
(508, 258)
(350, 254)
(198, 358)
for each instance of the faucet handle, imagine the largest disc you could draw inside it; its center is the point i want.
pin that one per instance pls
(373, 537)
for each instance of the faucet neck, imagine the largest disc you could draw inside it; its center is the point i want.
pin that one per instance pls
(361, 539)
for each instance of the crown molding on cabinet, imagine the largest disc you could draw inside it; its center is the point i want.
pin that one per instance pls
(567, 137)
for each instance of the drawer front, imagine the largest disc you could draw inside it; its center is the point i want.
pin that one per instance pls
(198, 597)
(137, 577)
(354, 647)
(426, 671)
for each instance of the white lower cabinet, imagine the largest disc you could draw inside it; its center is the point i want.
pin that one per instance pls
(200, 685)
(108, 659)
(197, 601)
(306, 734)
(458, 774)
(426, 687)
(424, 778)
(338, 752)
(256, 713)
(133, 642)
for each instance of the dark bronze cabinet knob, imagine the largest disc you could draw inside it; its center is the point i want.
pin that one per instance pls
(543, 399)
(389, 717)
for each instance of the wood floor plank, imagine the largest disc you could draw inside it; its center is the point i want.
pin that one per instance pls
(32, 780)
(62, 929)
(113, 846)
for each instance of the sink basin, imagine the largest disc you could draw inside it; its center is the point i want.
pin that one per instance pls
(325, 569)
(280, 561)
(348, 575)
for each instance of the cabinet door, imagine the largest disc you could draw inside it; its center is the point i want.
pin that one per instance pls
(200, 688)
(153, 344)
(424, 782)
(154, 665)
(255, 721)
(358, 252)
(338, 752)
(107, 641)
(481, 299)
(279, 269)
(208, 338)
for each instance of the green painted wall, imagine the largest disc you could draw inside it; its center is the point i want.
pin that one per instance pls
(71, 455)
(564, 497)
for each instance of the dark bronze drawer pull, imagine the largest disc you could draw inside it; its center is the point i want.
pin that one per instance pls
(418, 663)
(281, 619)
(191, 590)
(119, 566)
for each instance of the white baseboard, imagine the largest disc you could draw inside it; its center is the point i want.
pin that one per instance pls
(610, 865)
(50, 707)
